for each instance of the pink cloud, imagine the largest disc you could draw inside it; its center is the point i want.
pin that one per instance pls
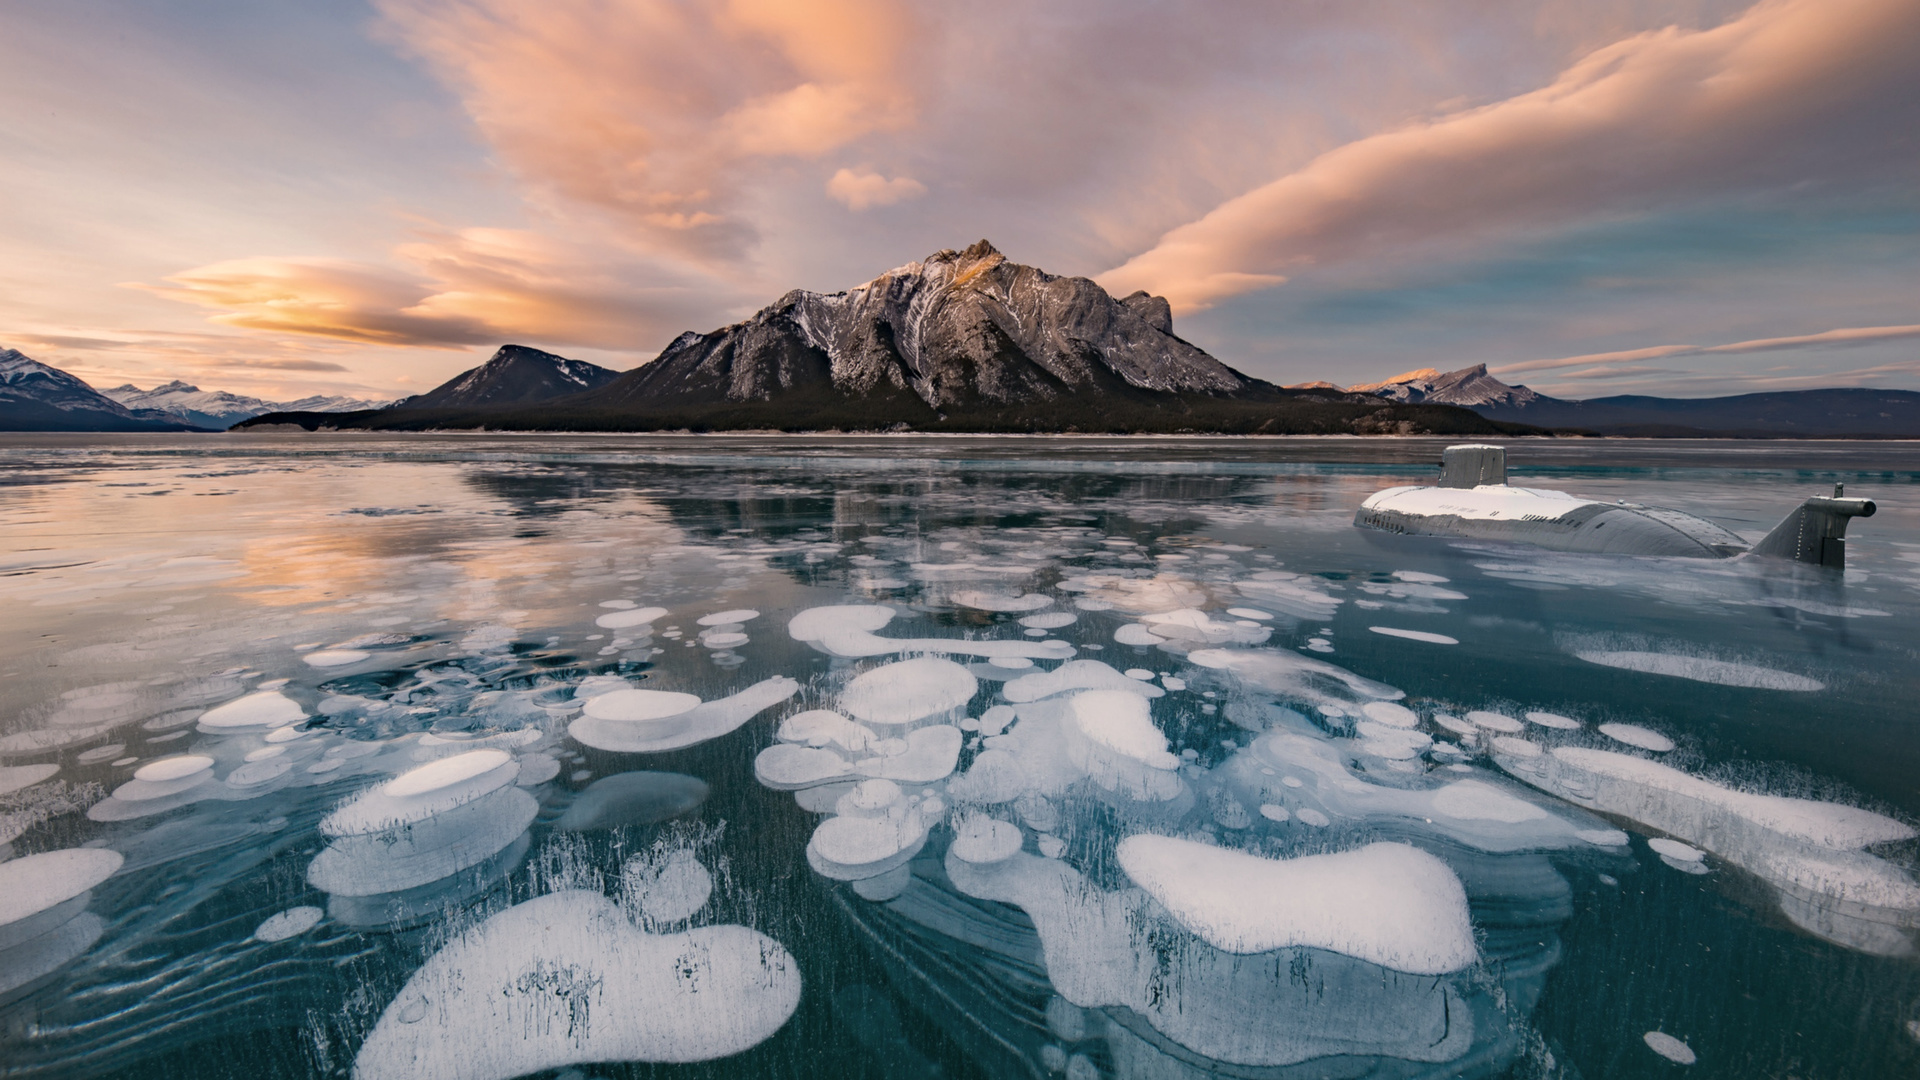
(650, 109)
(860, 190)
(1847, 336)
(1789, 92)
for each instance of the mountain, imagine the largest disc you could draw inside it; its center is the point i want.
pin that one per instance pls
(1470, 388)
(516, 375)
(218, 409)
(37, 397)
(961, 341)
(1835, 413)
(1842, 413)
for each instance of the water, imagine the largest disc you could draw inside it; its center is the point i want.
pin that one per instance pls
(457, 587)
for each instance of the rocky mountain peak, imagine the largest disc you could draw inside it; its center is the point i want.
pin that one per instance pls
(958, 329)
(1468, 387)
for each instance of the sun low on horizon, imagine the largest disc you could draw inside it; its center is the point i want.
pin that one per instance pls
(1686, 198)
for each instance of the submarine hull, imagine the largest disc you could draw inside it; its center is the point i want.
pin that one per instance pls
(1546, 519)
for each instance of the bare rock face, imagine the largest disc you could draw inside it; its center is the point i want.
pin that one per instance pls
(1469, 387)
(961, 329)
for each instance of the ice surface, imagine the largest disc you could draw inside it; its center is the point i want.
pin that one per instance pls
(1415, 635)
(909, 690)
(1489, 502)
(1249, 613)
(567, 979)
(263, 709)
(30, 961)
(1389, 904)
(1635, 735)
(729, 618)
(697, 725)
(1703, 669)
(1074, 675)
(1188, 627)
(289, 923)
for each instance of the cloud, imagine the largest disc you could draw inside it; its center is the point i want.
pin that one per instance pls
(1848, 336)
(271, 363)
(652, 109)
(1793, 92)
(865, 188)
(470, 287)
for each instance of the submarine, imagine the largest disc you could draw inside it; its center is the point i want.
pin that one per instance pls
(1473, 500)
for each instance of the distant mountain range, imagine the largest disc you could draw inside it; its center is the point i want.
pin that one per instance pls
(35, 397)
(961, 341)
(1836, 413)
(219, 410)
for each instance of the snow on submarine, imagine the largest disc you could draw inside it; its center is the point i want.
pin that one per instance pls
(1473, 500)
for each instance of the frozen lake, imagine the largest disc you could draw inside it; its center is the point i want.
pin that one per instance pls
(489, 756)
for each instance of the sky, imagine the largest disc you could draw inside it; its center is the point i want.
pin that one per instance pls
(1591, 197)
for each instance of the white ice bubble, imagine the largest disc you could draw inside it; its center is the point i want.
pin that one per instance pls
(1388, 904)
(1419, 577)
(1702, 669)
(1139, 673)
(1249, 613)
(1136, 634)
(1635, 735)
(618, 605)
(667, 888)
(15, 777)
(1273, 812)
(1675, 850)
(848, 631)
(1387, 712)
(621, 620)
(43, 891)
(983, 840)
(1073, 675)
(1052, 620)
(1553, 720)
(332, 658)
(422, 792)
(698, 724)
(640, 706)
(909, 690)
(722, 641)
(1012, 663)
(729, 618)
(510, 996)
(1415, 635)
(1292, 674)
(178, 767)
(1493, 721)
(1670, 1048)
(289, 923)
(983, 600)
(263, 709)
(849, 848)
(1314, 817)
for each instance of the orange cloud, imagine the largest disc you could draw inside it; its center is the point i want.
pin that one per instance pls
(651, 108)
(865, 188)
(1846, 336)
(1790, 91)
(473, 287)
